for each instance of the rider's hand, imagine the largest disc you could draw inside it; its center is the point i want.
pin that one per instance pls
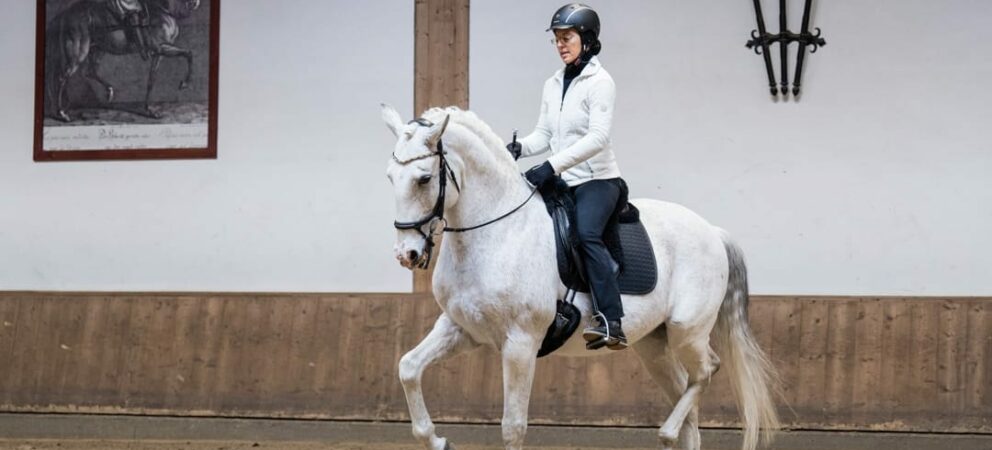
(515, 149)
(540, 174)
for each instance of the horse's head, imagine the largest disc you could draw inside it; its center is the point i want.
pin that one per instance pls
(185, 7)
(424, 186)
(176, 8)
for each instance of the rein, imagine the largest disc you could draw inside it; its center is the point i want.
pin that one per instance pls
(437, 213)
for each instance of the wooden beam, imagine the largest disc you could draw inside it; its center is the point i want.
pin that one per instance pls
(440, 69)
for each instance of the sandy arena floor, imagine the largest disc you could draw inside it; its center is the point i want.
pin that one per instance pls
(213, 445)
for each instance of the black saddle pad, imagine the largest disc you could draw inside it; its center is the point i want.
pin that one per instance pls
(626, 238)
(639, 270)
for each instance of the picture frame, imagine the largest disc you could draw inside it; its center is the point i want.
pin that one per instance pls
(126, 79)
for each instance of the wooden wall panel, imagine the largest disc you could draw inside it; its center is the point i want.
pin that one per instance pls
(906, 364)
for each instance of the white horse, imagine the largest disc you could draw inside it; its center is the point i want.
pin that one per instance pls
(497, 285)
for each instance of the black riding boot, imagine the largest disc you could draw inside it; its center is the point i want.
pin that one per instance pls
(607, 334)
(136, 36)
(595, 202)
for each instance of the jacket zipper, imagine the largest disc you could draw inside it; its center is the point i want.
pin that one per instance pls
(561, 108)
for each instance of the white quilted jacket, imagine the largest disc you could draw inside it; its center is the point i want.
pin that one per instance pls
(576, 128)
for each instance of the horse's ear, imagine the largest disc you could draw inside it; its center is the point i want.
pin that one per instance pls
(438, 129)
(392, 119)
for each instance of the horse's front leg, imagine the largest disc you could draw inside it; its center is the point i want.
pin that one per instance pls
(519, 359)
(445, 340)
(172, 51)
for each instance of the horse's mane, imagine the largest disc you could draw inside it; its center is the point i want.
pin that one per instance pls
(470, 121)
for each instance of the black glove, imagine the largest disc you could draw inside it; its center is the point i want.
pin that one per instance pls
(515, 149)
(541, 174)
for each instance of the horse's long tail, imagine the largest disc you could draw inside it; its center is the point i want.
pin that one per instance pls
(753, 378)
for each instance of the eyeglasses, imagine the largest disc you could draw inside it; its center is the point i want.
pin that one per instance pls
(564, 40)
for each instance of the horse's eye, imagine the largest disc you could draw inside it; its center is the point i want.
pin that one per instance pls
(424, 180)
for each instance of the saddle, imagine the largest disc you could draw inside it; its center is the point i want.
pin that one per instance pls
(627, 241)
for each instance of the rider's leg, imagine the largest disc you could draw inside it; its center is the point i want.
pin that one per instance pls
(595, 202)
(135, 33)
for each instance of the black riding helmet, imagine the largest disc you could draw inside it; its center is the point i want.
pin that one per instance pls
(584, 20)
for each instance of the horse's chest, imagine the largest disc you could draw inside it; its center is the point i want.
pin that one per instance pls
(490, 296)
(484, 318)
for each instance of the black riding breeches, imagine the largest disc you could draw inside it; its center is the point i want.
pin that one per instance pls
(595, 202)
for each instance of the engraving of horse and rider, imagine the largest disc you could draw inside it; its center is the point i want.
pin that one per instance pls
(83, 32)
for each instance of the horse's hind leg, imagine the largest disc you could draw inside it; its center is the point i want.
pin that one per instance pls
(76, 49)
(446, 339)
(91, 73)
(670, 376)
(690, 344)
(60, 97)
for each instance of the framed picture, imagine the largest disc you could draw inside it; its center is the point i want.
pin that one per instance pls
(126, 79)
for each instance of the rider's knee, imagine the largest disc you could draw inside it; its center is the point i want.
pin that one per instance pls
(589, 236)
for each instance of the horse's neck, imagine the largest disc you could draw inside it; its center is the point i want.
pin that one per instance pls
(487, 192)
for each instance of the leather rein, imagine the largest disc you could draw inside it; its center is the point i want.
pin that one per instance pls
(436, 217)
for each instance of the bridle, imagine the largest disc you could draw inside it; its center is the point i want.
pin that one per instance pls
(437, 213)
(436, 217)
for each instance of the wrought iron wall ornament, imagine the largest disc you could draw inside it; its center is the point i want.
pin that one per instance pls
(761, 41)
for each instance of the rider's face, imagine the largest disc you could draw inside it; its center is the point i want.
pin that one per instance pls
(569, 45)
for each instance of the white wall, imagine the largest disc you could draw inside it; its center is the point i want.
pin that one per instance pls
(876, 182)
(296, 201)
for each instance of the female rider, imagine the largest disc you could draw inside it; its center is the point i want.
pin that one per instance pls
(574, 125)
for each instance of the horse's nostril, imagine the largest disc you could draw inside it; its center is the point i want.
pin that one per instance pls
(412, 254)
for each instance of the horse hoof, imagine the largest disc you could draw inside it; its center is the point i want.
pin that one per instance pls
(153, 114)
(183, 85)
(448, 446)
(667, 440)
(63, 116)
(110, 94)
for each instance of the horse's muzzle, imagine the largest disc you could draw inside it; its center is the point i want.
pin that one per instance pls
(410, 257)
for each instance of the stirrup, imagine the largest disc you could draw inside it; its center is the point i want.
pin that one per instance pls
(619, 343)
(597, 344)
(602, 336)
(612, 343)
